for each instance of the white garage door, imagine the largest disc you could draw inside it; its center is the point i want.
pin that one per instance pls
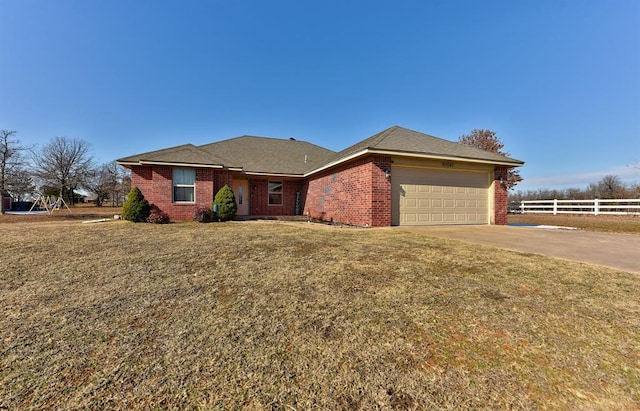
(430, 197)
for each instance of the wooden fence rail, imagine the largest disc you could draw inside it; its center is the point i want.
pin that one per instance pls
(595, 207)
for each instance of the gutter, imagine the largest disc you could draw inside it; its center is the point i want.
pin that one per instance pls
(163, 163)
(410, 154)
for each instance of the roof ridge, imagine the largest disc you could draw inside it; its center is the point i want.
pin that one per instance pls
(425, 134)
(258, 137)
(381, 136)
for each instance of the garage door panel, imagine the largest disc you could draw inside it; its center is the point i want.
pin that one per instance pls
(473, 218)
(424, 218)
(429, 197)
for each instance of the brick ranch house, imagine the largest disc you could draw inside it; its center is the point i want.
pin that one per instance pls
(396, 177)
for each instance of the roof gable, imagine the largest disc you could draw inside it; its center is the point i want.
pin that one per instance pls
(402, 140)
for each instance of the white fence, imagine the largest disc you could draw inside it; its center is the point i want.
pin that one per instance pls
(595, 207)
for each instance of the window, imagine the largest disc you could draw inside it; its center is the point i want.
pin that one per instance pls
(184, 184)
(275, 192)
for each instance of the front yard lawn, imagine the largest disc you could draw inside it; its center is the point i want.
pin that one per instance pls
(266, 315)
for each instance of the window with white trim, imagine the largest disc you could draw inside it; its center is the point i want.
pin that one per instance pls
(275, 192)
(184, 185)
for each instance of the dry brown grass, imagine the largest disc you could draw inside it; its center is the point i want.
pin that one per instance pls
(78, 212)
(602, 223)
(273, 316)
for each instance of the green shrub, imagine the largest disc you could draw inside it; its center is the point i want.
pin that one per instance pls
(226, 202)
(136, 208)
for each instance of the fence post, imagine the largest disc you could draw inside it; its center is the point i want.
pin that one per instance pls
(555, 206)
(596, 207)
(522, 206)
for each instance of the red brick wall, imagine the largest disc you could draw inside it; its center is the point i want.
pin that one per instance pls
(141, 178)
(356, 193)
(156, 184)
(221, 177)
(500, 196)
(259, 197)
(157, 187)
(381, 192)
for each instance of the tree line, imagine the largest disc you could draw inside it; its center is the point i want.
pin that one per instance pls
(609, 187)
(59, 168)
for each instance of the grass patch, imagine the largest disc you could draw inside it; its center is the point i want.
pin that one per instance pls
(601, 223)
(274, 316)
(77, 212)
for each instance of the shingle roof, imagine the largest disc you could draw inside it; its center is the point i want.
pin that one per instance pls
(184, 154)
(399, 139)
(269, 155)
(291, 157)
(250, 153)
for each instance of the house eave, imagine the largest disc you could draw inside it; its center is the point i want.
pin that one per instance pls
(167, 163)
(367, 151)
(336, 162)
(447, 158)
(263, 174)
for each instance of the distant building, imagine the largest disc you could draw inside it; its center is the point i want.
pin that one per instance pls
(7, 201)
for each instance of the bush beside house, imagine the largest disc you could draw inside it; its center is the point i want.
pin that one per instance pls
(136, 208)
(157, 216)
(203, 215)
(224, 204)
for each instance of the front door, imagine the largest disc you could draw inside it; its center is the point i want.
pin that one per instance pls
(241, 191)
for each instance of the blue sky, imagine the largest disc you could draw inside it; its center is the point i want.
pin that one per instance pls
(558, 80)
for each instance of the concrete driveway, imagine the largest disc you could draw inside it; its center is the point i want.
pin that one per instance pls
(619, 251)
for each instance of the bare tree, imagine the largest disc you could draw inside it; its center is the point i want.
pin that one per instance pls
(123, 188)
(103, 182)
(611, 187)
(488, 141)
(65, 164)
(10, 160)
(20, 183)
(109, 181)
